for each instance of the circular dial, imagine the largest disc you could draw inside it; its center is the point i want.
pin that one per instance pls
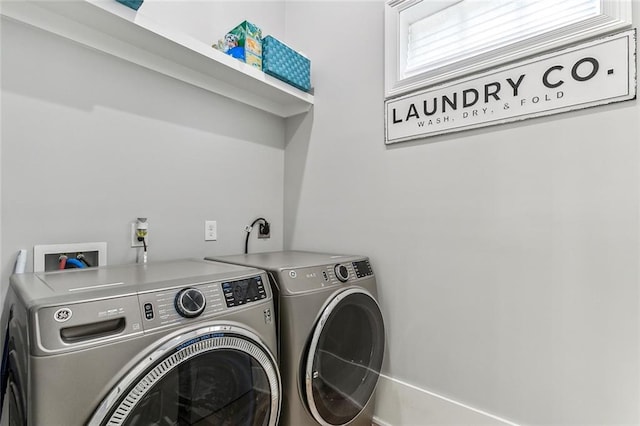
(190, 302)
(341, 272)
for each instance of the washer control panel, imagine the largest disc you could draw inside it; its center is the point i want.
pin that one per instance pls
(175, 305)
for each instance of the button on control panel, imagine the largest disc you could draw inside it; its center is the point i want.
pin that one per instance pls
(190, 302)
(148, 311)
(245, 291)
(342, 273)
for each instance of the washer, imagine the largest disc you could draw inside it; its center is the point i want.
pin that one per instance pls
(182, 342)
(331, 334)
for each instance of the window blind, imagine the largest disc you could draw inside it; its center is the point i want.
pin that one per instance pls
(439, 36)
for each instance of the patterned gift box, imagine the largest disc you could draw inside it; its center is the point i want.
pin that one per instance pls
(284, 63)
(244, 42)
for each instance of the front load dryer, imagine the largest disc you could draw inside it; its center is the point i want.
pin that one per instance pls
(169, 343)
(331, 334)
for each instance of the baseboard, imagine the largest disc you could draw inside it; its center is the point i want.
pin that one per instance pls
(399, 403)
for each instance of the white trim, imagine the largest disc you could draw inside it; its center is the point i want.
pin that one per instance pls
(398, 402)
(615, 15)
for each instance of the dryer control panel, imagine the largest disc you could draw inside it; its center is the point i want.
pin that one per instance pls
(318, 277)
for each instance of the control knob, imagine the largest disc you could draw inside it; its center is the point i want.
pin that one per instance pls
(342, 273)
(190, 302)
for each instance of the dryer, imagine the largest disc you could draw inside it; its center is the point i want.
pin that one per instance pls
(182, 342)
(331, 334)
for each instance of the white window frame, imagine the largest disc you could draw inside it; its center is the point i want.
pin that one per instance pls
(615, 15)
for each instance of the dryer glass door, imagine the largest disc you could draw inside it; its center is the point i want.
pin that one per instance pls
(206, 378)
(344, 358)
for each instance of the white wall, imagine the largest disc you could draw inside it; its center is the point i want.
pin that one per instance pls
(90, 142)
(209, 20)
(507, 257)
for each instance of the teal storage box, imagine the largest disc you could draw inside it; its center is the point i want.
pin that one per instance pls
(133, 4)
(284, 63)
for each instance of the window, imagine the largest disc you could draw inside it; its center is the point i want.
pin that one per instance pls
(432, 41)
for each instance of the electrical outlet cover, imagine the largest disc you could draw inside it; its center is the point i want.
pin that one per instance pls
(134, 237)
(264, 235)
(210, 230)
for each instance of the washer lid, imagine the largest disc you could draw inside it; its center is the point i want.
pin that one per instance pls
(116, 280)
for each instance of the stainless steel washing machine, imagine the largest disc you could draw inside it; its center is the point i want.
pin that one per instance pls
(331, 334)
(170, 343)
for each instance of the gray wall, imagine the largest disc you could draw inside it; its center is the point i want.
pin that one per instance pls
(507, 257)
(89, 143)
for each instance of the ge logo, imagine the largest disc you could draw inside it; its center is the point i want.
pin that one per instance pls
(62, 314)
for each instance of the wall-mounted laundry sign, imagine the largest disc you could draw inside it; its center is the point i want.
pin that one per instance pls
(593, 73)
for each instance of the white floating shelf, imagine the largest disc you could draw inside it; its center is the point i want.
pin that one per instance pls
(111, 27)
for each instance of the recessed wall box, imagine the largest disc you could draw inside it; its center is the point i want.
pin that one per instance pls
(47, 257)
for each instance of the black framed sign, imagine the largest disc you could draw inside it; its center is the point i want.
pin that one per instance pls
(595, 73)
